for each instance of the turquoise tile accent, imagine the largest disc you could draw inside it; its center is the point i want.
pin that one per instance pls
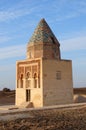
(43, 33)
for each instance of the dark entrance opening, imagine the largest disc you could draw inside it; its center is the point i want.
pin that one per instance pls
(28, 95)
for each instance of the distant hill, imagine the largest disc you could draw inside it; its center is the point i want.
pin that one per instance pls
(7, 98)
(79, 90)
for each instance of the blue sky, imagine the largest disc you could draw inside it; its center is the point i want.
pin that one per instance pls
(18, 19)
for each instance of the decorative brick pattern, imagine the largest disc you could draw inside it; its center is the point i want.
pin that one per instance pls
(20, 71)
(35, 68)
(43, 33)
(41, 41)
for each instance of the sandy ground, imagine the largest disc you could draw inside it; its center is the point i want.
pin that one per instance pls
(53, 119)
(62, 119)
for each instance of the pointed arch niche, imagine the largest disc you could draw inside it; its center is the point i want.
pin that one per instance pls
(35, 80)
(21, 81)
(28, 80)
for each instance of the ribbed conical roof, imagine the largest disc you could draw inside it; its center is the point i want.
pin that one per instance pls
(43, 33)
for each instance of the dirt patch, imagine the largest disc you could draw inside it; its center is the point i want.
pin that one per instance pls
(72, 119)
(53, 119)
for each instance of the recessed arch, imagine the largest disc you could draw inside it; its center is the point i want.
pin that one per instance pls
(28, 75)
(28, 79)
(35, 80)
(21, 80)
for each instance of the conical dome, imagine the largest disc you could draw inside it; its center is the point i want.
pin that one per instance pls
(43, 33)
(43, 43)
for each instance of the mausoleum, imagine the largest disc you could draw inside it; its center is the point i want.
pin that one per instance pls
(43, 78)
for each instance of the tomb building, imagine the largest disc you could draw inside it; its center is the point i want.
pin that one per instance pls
(43, 78)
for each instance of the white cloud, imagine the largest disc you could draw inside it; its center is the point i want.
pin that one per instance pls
(12, 51)
(12, 14)
(4, 39)
(78, 43)
(22, 9)
(72, 9)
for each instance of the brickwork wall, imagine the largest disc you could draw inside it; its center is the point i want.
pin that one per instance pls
(43, 50)
(57, 91)
(20, 96)
(36, 97)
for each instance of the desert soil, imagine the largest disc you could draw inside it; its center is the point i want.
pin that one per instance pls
(7, 98)
(63, 119)
(53, 119)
